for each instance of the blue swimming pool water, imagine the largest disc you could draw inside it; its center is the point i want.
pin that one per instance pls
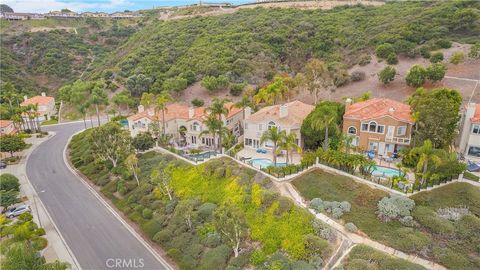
(264, 163)
(384, 171)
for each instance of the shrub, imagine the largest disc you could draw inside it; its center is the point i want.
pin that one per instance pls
(436, 72)
(470, 176)
(357, 76)
(474, 51)
(383, 50)
(457, 58)
(436, 57)
(236, 89)
(196, 102)
(452, 213)
(205, 211)
(215, 258)
(163, 236)
(317, 205)
(345, 206)
(9, 182)
(143, 141)
(350, 227)
(40, 231)
(424, 52)
(394, 207)
(387, 75)
(443, 43)
(316, 262)
(416, 76)
(147, 213)
(364, 59)
(327, 233)
(392, 59)
(407, 221)
(337, 213)
(152, 227)
(258, 257)
(39, 243)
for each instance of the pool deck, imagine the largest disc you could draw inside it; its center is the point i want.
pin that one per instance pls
(252, 154)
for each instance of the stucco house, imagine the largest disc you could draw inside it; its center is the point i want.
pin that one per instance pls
(381, 125)
(184, 124)
(7, 127)
(46, 106)
(288, 117)
(469, 139)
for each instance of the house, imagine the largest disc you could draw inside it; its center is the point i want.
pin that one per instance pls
(381, 125)
(184, 124)
(7, 127)
(46, 106)
(288, 117)
(469, 139)
(16, 16)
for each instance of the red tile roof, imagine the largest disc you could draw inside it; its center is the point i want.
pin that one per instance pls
(476, 116)
(379, 107)
(297, 112)
(40, 100)
(5, 123)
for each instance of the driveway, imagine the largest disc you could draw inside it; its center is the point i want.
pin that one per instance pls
(95, 236)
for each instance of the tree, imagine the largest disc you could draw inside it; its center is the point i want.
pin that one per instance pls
(218, 109)
(275, 136)
(323, 121)
(143, 141)
(12, 144)
(123, 99)
(138, 84)
(457, 58)
(82, 109)
(464, 19)
(213, 126)
(8, 197)
(387, 75)
(289, 144)
(436, 72)
(98, 98)
(212, 83)
(162, 179)
(392, 59)
(147, 100)
(22, 256)
(111, 143)
(426, 154)
(230, 222)
(131, 162)
(416, 76)
(176, 84)
(275, 90)
(436, 57)
(437, 115)
(5, 8)
(9, 182)
(161, 105)
(384, 50)
(313, 137)
(318, 77)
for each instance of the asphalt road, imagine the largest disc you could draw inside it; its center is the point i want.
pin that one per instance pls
(96, 237)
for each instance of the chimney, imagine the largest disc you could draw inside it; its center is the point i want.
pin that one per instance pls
(191, 112)
(43, 94)
(25, 97)
(348, 102)
(391, 110)
(248, 112)
(283, 110)
(141, 108)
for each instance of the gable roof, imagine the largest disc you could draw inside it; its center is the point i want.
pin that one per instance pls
(377, 108)
(40, 100)
(297, 111)
(476, 115)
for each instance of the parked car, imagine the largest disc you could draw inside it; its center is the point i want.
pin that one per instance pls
(17, 210)
(3, 165)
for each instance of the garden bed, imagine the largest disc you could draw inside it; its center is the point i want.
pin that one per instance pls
(452, 244)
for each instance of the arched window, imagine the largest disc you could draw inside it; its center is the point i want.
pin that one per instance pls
(372, 126)
(271, 124)
(352, 131)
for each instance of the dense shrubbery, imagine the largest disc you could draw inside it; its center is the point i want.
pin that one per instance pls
(394, 207)
(340, 160)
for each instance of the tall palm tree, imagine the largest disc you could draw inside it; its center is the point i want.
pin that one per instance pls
(98, 98)
(427, 154)
(243, 104)
(217, 109)
(323, 120)
(289, 144)
(82, 109)
(160, 104)
(274, 135)
(213, 126)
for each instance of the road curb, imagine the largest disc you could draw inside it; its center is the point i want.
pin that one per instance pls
(111, 209)
(70, 252)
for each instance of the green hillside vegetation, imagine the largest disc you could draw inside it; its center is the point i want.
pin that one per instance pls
(276, 232)
(452, 243)
(252, 45)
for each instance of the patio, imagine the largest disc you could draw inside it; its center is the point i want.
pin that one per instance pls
(250, 153)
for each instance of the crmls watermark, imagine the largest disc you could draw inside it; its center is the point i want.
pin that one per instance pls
(124, 263)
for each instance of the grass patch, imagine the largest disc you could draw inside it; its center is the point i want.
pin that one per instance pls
(470, 176)
(50, 122)
(453, 244)
(365, 257)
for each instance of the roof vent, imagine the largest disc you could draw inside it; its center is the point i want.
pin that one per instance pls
(391, 110)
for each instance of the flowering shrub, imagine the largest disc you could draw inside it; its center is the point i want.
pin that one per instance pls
(394, 207)
(452, 213)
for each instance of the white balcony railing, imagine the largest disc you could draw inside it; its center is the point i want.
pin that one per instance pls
(399, 140)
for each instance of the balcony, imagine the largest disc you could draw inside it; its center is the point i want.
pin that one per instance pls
(399, 140)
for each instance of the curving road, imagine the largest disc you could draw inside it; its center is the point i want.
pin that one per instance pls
(96, 237)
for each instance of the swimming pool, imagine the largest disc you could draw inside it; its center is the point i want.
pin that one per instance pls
(385, 171)
(264, 163)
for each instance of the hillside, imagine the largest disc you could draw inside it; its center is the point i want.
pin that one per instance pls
(252, 45)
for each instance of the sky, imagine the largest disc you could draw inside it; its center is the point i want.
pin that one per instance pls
(44, 6)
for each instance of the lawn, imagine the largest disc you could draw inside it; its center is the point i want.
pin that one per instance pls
(50, 122)
(451, 243)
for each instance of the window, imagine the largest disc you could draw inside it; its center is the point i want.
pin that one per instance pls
(476, 129)
(401, 131)
(372, 126)
(364, 127)
(196, 127)
(352, 130)
(271, 124)
(474, 151)
(380, 129)
(248, 142)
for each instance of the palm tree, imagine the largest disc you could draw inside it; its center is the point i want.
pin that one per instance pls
(346, 142)
(323, 120)
(243, 104)
(426, 154)
(213, 125)
(161, 104)
(274, 135)
(147, 99)
(289, 144)
(218, 108)
(98, 98)
(82, 109)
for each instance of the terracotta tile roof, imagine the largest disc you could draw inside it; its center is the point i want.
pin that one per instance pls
(40, 100)
(5, 123)
(181, 111)
(297, 111)
(476, 116)
(379, 107)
